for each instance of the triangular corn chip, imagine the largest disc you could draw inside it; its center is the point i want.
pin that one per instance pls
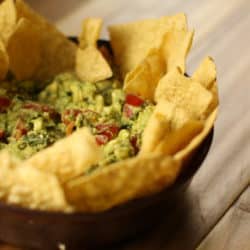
(132, 42)
(8, 163)
(36, 189)
(175, 47)
(185, 93)
(185, 154)
(57, 52)
(91, 65)
(90, 32)
(175, 141)
(29, 187)
(8, 18)
(69, 157)
(24, 57)
(4, 61)
(122, 181)
(166, 118)
(205, 73)
(143, 80)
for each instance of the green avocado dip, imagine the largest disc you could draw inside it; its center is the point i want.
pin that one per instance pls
(33, 118)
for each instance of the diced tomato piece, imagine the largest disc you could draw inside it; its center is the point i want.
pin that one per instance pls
(20, 129)
(32, 105)
(101, 139)
(108, 130)
(134, 100)
(127, 111)
(2, 134)
(70, 128)
(42, 108)
(133, 141)
(46, 108)
(52, 112)
(73, 113)
(67, 114)
(4, 103)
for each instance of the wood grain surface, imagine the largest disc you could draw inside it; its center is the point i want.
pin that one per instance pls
(215, 211)
(232, 232)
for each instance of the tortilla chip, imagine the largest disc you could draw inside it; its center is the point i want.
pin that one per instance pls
(69, 157)
(206, 73)
(166, 118)
(185, 154)
(6, 178)
(90, 32)
(29, 187)
(185, 93)
(175, 47)
(24, 57)
(173, 142)
(91, 65)
(143, 80)
(8, 19)
(4, 62)
(57, 52)
(131, 42)
(156, 128)
(35, 189)
(214, 91)
(113, 185)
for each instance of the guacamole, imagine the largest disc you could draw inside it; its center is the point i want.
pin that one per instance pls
(33, 118)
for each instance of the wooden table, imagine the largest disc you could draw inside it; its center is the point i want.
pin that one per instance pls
(218, 200)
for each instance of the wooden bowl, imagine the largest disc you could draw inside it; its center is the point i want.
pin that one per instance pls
(47, 230)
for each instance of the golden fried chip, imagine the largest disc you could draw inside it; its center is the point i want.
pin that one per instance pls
(185, 154)
(214, 91)
(69, 157)
(131, 42)
(173, 142)
(166, 118)
(175, 47)
(143, 80)
(57, 52)
(91, 65)
(90, 32)
(156, 128)
(24, 50)
(4, 61)
(122, 181)
(6, 178)
(29, 187)
(205, 73)
(8, 19)
(35, 189)
(185, 93)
